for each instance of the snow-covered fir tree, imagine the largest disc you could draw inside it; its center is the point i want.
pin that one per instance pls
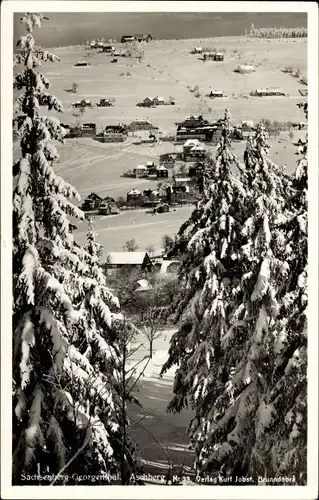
(65, 318)
(241, 344)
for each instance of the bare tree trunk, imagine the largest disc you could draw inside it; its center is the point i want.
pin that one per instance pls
(151, 348)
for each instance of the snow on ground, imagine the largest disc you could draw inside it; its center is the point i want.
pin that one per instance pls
(162, 436)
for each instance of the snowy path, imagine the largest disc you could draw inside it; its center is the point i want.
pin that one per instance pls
(161, 436)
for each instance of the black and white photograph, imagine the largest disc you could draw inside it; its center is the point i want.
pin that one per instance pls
(157, 279)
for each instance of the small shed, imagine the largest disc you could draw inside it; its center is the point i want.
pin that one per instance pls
(198, 50)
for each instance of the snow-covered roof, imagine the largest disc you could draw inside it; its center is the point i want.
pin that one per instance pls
(166, 264)
(199, 147)
(183, 179)
(161, 167)
(192, 142)
(160, 98)
(134, 191)
(217, 91)
(143, 285)
(118, 258)
(141, 167)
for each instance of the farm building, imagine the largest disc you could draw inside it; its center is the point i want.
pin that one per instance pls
(244, 69)
(115, 133)
(216, 93)
(127, 38)
(133, 195)
(88, 130)
(141, 171)
(268, 92)
(161, 172)
(140, 125)
(91, 202)
(137, 260)
(108, 206)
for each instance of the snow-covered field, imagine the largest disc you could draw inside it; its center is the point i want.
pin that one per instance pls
(168, 69)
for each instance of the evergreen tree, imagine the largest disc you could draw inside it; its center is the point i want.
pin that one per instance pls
(241, 344)
(65, 318)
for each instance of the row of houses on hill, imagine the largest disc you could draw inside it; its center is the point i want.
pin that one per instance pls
(137, 38)
(111, 133)
(152, 102)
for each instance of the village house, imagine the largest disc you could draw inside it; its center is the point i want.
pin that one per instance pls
(108, 206)
(267, 92)
(195, 153)
(244, 69)
(91, 202)
(115, 133)
(213, 56)
(216, 93)
(198, 50)
(150, 164)
(147, 102)
(193, 121)
(186, 133)
(143, 38)
(161, 172)
(141, 171)
(130, 260)
(140, 125)
(127, 38)
(167, 159)
(150, 197)
(219, 56)
(133, 195)
(108, 49)
(196, 170)
(189, 144)
(88, 130)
